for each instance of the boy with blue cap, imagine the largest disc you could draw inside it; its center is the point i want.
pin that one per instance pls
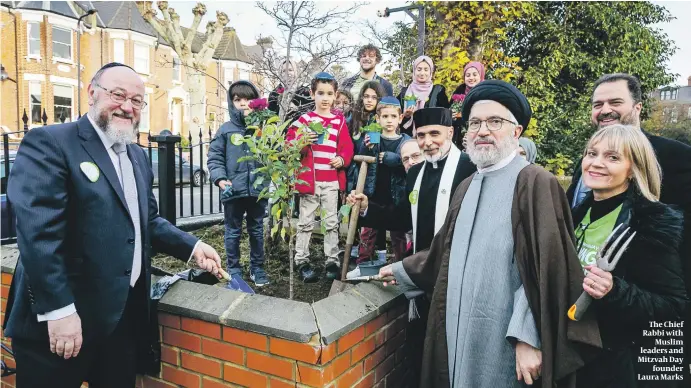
(386, 180)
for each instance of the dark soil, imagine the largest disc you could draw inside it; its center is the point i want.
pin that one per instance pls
(276, 265)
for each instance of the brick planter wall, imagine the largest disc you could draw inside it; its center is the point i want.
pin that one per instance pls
(214, 337)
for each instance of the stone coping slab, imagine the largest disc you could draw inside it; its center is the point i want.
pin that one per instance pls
(329, 318)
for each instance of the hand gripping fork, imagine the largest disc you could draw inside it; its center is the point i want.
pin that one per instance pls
(604, 253)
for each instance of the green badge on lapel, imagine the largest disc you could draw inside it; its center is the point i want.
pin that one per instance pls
(236, 139)
(413, 197)
(90, 170)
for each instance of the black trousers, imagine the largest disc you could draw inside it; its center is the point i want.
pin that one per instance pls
(104, 362)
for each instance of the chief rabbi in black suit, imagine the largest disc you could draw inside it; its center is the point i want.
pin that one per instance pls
(87, 223)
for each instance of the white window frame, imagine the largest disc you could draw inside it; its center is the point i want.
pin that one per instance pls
(242, 73)
(229, 75)
(71, 118)
(145, 125)
(69, 60)
(177, 70)
(688, 114)
(31, 104)
(121, 43)
(674, 93)
(148, 58)
(29, 26)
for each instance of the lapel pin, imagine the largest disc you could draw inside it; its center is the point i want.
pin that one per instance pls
(90, 170)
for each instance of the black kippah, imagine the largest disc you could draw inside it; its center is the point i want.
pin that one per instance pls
(115, 64)
(432, 116)
(503, 93)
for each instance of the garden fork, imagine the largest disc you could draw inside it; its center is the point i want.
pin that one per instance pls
(604, 254)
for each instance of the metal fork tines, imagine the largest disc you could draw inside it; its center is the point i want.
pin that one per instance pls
(607, 251)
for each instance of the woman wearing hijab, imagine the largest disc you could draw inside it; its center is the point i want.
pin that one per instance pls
(427, 93)
(473, 74)
(527, 149)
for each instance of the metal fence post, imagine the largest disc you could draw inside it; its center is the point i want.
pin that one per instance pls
(166, 175)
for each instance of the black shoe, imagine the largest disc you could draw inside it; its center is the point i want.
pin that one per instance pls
(259, 277)
(333, 271)
(307, 274)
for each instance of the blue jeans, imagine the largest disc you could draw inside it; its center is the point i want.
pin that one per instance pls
(234, 213)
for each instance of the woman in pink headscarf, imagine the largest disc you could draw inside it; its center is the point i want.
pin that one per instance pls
(473, 74)
(427, 94)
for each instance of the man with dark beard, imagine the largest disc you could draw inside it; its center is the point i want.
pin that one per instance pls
(503, 269)
(87, 224)
(617, 99)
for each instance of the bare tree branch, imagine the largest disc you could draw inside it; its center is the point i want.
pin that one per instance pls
(198, 11)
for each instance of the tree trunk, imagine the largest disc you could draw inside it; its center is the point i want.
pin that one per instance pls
(196, 87)
(291, 251)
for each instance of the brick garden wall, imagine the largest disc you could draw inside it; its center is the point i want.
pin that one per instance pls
(200, 353)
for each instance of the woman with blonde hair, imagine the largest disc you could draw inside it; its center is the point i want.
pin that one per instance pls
(620, 167)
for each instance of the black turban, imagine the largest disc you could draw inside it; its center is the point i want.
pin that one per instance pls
(115, 64)
(432, 116)
(503, 93)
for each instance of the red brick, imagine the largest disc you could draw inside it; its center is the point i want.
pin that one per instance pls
(208, 382)
(5, 291)
(295, 350)
(244, 377)
(317, 377)
(6, 279)
(10, 362)
(206, 329)
(328, 353)
(395, 342)
(169, 320)
(350, 339)
(269, 364)
(180, 377)
(366, 382)
(395, 327)
(375, 359)
(395, 312)
(375, 324)
(182, 340)
(384, 368)
(361, 350)
(9, 381)
(395, 378)
(150, 382)
(205, 366)
(170, 355)
(246, 338)
(3, 304)
(380, 338)
(223, 351)
(400, 354)
(350, 377)
(277, 383)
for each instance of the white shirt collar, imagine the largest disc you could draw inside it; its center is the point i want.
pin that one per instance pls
(107, 142)
(497, 166)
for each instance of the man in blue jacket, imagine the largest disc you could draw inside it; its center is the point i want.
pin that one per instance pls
(368, 56)
(236, 180)
(87, 225)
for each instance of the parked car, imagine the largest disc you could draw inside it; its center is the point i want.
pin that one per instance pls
(198, 174)
(7, 228)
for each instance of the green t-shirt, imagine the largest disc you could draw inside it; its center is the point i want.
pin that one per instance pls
(594, 235)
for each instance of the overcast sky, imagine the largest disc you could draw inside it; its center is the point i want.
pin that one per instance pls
(250, 23)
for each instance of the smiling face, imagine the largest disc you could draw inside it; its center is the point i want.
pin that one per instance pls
(324, 97)
(423, 72)
(471, 77)
(368, 60)
(370, 100)
(605, 170)
(612, 104)
(487, 147)
(119, 121)
(390, 118)
(434, 141)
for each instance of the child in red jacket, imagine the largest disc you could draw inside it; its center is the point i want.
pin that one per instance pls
(327, 158)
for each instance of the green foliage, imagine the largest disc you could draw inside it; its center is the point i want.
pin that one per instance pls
(410, 97)
(317, 127)
(553, 52)
(372, 128)
(280, 160)
(558, 165)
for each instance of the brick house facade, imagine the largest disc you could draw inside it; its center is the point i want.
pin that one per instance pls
(39, 58)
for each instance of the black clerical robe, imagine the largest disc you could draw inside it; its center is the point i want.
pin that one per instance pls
(399, 217)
